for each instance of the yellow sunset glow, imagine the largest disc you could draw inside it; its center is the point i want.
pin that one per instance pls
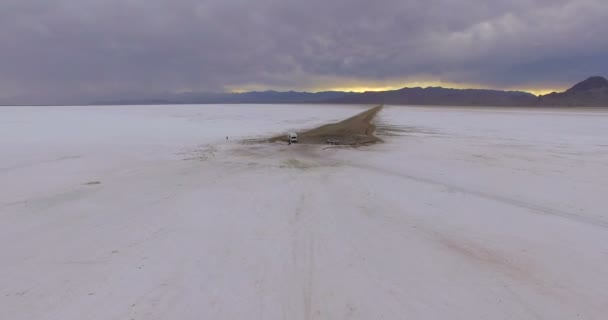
(396, 86)
(540, 92)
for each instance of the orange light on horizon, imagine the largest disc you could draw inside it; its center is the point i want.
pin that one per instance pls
(388, 87)
(540, 92)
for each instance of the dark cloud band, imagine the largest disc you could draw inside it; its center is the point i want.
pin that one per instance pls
(69, 50)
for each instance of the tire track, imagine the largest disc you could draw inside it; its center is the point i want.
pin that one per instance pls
(532, 207)
(303, 264)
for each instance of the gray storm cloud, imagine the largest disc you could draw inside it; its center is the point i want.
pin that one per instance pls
(65, 50)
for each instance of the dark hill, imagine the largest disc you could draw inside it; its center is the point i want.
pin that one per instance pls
(590, 84)
(592, 92)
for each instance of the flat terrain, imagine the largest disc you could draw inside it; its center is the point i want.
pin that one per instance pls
(149, 212)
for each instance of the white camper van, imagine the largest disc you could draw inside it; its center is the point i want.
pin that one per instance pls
(292, 137)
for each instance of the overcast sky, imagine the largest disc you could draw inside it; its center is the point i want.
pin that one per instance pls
(58, 49)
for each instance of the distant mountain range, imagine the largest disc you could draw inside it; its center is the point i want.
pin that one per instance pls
(592, 92)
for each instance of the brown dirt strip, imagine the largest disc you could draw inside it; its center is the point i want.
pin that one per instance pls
(356, 130)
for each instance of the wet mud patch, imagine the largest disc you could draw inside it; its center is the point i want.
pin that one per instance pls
(298, 164)
(200, 153)
(391, 130)
(253, 141)
(296, 156)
